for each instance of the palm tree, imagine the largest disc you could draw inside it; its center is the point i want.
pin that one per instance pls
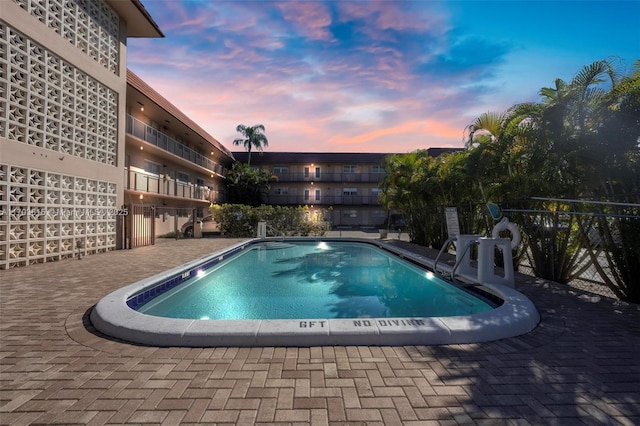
(495, 144)
(579, 103)
(253, 138)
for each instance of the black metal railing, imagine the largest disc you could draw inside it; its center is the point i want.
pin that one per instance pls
(329, 177)
(349, 200)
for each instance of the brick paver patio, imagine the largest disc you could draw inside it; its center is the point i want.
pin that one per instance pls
(580, 366)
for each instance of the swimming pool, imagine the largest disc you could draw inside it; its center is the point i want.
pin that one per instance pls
(311, 279)
(306, 292)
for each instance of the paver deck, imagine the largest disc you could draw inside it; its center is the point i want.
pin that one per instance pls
(580, 366)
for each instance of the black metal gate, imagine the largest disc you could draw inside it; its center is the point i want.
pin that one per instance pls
(137, 228)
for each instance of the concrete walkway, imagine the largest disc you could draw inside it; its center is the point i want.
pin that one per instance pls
(580, 366)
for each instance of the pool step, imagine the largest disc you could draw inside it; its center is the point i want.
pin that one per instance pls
(276, 245)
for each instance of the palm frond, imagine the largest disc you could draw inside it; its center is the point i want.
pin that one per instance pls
(594, 74)
(553, 95)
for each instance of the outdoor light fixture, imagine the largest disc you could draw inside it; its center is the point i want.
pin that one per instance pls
(141, 196)
(141, 148)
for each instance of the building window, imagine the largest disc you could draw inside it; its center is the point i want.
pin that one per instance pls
(350, 213)
(306, 172)
(281, 191)
(183, 177)
(317, 172)
(348, 168)
(377, 169)
(306, 195)
(151, 167)
(349, 191)
(317, 195)
(280, 169)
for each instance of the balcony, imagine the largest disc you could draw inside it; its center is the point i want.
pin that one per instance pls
(325, 200)
(330, 177)
(155, 137)
(165, 186)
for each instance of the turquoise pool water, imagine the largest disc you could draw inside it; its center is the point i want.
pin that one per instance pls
(298, 280)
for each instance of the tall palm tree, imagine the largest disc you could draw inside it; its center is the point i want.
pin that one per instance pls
(253, 138)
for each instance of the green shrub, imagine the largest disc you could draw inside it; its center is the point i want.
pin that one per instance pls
(239, 220)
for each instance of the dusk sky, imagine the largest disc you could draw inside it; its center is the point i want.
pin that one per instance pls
(363, 76)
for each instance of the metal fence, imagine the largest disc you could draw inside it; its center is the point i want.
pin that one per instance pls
(578, 235)
(598, 232)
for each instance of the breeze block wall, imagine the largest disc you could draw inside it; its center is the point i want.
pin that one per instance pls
(49, 216)
(59, 129)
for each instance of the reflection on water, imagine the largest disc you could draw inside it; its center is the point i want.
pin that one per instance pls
(279, 280)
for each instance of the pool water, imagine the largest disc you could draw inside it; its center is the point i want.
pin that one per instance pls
(305, 280)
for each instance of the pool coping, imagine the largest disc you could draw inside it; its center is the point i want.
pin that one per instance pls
(112, 316)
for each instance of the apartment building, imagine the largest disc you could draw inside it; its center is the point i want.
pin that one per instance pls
(172, 167)
(338, 187)
(63, 82)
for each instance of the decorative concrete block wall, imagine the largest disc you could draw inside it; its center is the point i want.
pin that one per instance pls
(50, 103)
(47, 216)
(57, 110)
(90, 25)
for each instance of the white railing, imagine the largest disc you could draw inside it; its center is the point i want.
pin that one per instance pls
(155, 137)
(164, 185)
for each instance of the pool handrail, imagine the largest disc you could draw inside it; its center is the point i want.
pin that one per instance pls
(445, 246)
(460, 258)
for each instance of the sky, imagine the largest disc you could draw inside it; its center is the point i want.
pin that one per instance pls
(370, 76)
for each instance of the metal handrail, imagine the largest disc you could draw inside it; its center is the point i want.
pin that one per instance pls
(276, 232)
(444, 247)
(461, 257)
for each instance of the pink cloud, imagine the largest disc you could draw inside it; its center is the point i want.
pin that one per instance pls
(304, 116)
(368, 99)
(311, 19)
(385, 15)
(387, 134)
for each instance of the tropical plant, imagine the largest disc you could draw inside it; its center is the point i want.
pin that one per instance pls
(581, 141)
(246, 185)
(411, 187)
(241, 220)
(616, 178)
(253, 137)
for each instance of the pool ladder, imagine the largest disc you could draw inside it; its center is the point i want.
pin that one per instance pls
(264, 228)
(460, 257)
(485, 272)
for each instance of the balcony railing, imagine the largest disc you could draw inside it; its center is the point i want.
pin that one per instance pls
(163, 185)
(325, 200)
(155, 137)
(330, 177)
